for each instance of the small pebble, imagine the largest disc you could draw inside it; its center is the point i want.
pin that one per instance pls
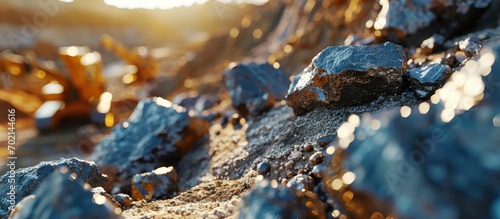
(301, 182)
(316, 158)
(263, 167)
(308, 147)
(325, 140)
(289, 165)
(317, 170)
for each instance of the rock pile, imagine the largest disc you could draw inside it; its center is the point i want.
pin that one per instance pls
(430, 161)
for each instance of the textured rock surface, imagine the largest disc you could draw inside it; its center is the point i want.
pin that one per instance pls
(255, 87)
(27, 180)
(427, 161)
(160, 183)
(347, 75)
(270, 200)
(157, 134)
(411, 21)
(61, 196)
(424, 81)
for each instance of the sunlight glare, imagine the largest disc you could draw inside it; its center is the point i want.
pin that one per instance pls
(167, 4)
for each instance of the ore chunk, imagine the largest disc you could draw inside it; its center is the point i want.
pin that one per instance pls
(424, 81)
(160, 183)
(317, 171)
(432, 44)
(470, 46)
(411, 21)
(316, 158)
(124, 200)
(101, 191)
(255, 87)
(27, 180)
(157, 134)
(308, 147)
(301, 183)
(60, 196)
(401, 18)
(263, 167)
(325, 140)
(347, 75)
(193, 101)
(266, 200)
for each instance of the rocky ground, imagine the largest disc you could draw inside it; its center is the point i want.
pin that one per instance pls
(371, 129)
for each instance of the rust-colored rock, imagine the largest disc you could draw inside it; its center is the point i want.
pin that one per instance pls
(160, 183)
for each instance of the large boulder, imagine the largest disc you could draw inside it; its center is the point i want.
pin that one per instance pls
(348, 75)
(254, 87)
(157, 134)
(27, 180)
(63, 197)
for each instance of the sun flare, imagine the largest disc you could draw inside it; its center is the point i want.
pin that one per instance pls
(167, 4)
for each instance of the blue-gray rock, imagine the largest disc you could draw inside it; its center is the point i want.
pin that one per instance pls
(411, 21)
(263, 167)
(160, 183)
(432, 44)
(27, 180)
(324, 140)
(424, 81)
(348, 75)
(157, 134)
(266, 200)
(301, 182)
(63, 197)
(193, 101)
(317, 171)
(470, 46)
(254, 87)
(422, 167)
